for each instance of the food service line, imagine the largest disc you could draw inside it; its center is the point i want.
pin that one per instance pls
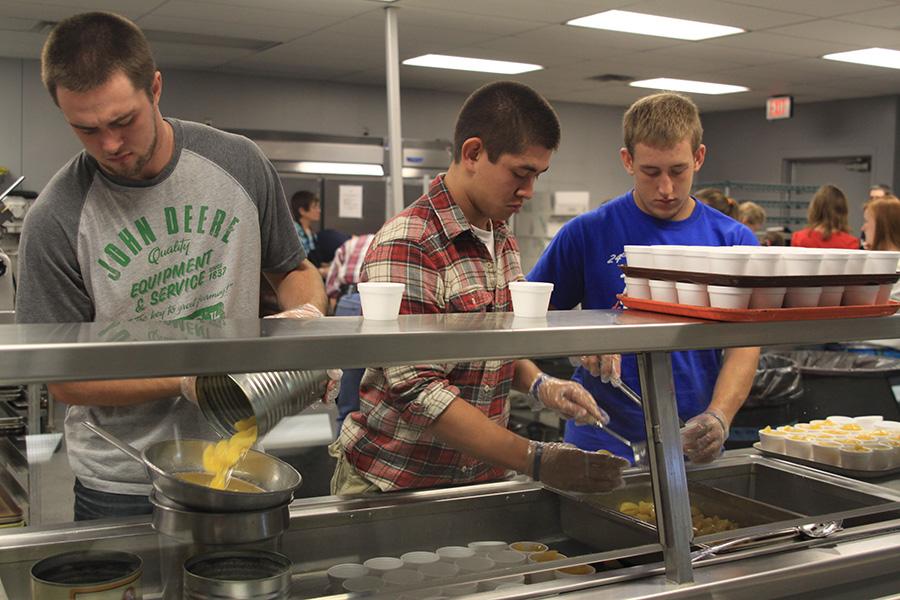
(36, 352)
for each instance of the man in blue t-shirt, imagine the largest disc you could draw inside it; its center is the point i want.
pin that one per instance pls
(662, 152)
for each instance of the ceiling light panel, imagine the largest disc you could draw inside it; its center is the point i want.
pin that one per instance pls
(644, 24)
(462, 63)
(875, 57)
(686, 85)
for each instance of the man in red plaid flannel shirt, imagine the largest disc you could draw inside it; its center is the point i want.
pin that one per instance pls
(443, 424)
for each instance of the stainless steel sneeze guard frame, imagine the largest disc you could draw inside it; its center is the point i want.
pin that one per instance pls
(72, 351)
(47, 353)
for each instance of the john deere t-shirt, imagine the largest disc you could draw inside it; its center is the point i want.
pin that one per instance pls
(188, 244)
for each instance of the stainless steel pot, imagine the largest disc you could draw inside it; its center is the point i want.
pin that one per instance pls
(164, 460)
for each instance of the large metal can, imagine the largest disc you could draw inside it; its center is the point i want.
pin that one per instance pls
(88, 575)
(237, 575)
(269, 396)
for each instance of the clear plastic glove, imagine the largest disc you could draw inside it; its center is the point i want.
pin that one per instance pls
(189, 388)
(607, 367)
(565, 467)
(307, 311)
(567, 398)
(333, 388)
(703, 436)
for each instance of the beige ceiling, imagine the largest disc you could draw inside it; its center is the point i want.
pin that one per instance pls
(343, 41)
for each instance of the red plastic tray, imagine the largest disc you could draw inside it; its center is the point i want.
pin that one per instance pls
(760, 314)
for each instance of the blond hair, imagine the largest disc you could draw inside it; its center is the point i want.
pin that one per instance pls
(751, 214)
(662, 121)
(828, 211)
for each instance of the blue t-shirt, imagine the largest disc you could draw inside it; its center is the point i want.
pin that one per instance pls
(583, 262)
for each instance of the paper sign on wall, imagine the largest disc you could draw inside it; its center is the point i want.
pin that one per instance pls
(350, 199)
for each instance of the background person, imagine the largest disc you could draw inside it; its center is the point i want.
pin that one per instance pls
(306, 209)
(752, 215)
(879, 191)
(146, 197)
(881, 228)
(716, 198)
(827, 224)
(663, 150)
(445, 424)
(343, 298)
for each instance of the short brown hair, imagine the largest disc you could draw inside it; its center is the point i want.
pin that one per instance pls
(716, 198)
(662, 120)
(886, 214)
(828, 211)
(751, 214)
(85, 50)
(507, 117)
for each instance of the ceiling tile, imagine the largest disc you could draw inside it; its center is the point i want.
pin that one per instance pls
(779, 43)
(721, 13)
(303, 22)
(815, 8)
(217, 28)
(432, 20)
(333, 8)
(129, 8)
(864, 36)
(882, 17)
(542, 12)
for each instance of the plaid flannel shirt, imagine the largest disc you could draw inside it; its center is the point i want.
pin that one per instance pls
(432, 249)
(347, 264)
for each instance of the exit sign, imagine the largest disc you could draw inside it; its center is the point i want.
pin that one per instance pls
(779, 107)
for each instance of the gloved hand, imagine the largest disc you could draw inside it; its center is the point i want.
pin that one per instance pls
(605, 366)
(307, 311)
(703, 436)
(565, 467)
(189, 388)
(333, 388)
(567, 398)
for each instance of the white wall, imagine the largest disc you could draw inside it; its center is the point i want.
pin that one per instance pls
(36, 141)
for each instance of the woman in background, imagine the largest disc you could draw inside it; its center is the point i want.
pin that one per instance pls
(715, 198)
(307, 210)
(752, 215)
(827, 222)
(881, 230)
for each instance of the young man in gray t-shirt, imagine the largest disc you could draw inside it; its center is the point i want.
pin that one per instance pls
(157, 219)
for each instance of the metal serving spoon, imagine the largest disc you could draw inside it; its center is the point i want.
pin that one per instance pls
(639, 449)
(810, 530)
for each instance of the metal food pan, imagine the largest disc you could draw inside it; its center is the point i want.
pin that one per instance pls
(710, 501)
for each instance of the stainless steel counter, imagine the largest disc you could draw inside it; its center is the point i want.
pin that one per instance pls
(326, 531)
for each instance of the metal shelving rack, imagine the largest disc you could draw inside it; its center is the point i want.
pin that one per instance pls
(781, 210)
(60, 352)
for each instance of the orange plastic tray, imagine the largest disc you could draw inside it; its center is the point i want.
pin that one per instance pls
(760, 314)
